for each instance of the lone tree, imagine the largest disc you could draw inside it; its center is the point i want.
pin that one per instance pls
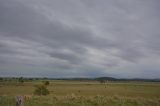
(41, 90)
(46, 83)
(102, 81)
(21, 80)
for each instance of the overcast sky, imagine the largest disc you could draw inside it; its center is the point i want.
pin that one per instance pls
(80, 38)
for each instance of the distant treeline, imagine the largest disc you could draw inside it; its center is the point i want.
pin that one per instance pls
(80, 79)
(125, 79)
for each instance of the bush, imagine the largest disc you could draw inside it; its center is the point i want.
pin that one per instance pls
(46, 83)
(21, 80)
(41, 90)
(101, 81)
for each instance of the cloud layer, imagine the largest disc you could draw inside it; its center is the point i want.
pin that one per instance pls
(80, 38)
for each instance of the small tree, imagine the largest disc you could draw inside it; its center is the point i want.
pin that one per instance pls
(46, 83)
(41, 90)
(21, 80)
(1, 79)
(101, 81)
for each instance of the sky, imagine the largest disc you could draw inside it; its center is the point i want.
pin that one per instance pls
(80, 38)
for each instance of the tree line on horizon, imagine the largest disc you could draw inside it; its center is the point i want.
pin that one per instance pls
(22, 79)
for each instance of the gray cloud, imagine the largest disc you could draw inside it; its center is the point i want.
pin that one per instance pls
(80, 38)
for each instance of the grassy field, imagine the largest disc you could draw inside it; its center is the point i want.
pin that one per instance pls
(83, 93)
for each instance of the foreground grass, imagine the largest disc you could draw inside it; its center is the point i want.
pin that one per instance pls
(72, 100)
(78, 93)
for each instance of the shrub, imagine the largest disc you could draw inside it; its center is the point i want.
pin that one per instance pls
(21, 80)
(46, 83)
(41, 90)
(101, 81)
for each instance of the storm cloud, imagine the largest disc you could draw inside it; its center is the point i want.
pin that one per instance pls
(80, 38)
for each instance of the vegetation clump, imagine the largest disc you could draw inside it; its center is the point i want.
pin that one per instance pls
(21, 80)
(46, 83)
(41, 90)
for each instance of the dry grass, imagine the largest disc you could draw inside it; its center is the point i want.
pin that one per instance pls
(74, 93)
(73, 100)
